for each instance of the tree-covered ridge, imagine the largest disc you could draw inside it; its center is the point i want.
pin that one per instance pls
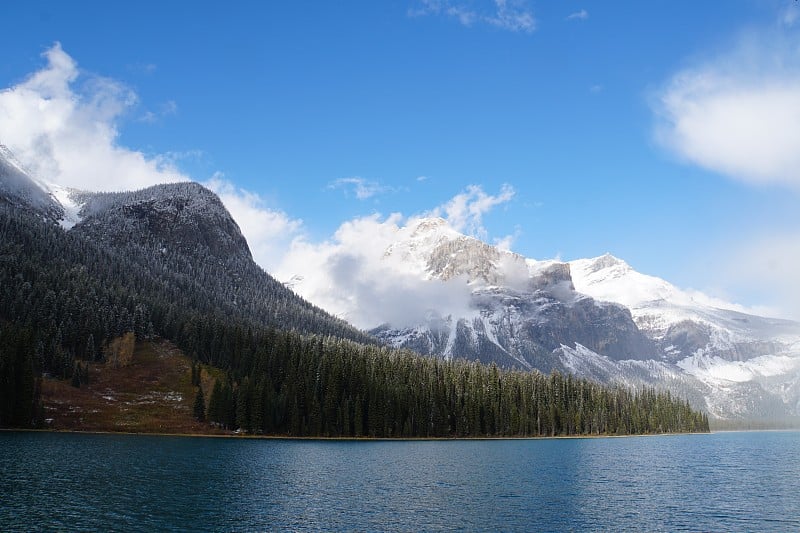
(65, 296)
(183, 237)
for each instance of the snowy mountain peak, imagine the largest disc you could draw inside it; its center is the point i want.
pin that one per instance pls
(611, 279)
(427, 226)
(601, 269)
(432, 249)
(606, 262)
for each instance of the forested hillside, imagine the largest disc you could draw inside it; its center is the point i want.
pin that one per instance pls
(169, 262)
(285, 384)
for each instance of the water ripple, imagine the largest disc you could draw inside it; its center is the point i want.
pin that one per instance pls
(720, 482)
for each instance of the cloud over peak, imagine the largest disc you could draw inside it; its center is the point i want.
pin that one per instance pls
(464, 212)
(63, 125)
(66, 131)
(351, 275)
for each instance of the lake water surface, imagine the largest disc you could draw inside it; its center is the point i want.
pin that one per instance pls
(724, 481)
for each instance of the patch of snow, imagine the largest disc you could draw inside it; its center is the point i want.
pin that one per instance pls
(72, 208)
(713, 369)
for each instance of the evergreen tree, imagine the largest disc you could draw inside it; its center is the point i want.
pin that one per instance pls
(216, 409)
(199, 406)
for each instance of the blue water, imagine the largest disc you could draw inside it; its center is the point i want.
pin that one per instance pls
(719, 482)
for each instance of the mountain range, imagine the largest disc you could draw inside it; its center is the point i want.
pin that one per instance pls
(601, 319)
(169, 252)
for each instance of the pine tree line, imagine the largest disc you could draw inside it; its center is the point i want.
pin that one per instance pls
(310, 386)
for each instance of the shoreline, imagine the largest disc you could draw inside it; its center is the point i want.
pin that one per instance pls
(352, 439)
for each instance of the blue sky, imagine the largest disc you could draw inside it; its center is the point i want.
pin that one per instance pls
(662, 132)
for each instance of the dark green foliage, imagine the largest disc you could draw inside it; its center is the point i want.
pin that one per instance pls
(76, 376)
(199, 409)
(196, 373)
(309, 386)
(216, 408)
(20, 397)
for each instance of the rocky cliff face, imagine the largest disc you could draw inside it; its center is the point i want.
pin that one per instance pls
(521, 310)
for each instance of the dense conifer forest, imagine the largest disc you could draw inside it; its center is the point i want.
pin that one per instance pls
(290, 369)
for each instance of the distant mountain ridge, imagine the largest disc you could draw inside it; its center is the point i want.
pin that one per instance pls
(601, 319)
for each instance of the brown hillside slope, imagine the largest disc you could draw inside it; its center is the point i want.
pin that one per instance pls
(153, 393)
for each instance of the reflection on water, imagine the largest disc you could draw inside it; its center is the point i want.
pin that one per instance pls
(708, 482)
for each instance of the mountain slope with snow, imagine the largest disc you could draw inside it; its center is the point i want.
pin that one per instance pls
(598, 318)
(520, 311)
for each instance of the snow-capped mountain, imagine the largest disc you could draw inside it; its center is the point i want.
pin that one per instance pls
(522, 311)
(601, 319)
(750, 364)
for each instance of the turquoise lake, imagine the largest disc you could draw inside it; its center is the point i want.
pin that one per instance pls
(747, 481)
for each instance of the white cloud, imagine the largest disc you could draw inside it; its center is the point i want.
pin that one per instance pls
(63, 125)
(362, 188)
(68, 134)
(739, 114)
(511, 15)
(578, 15)
(269, 232)
(505, 243)
(352, 276)
(166, 109)
(465, 211)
